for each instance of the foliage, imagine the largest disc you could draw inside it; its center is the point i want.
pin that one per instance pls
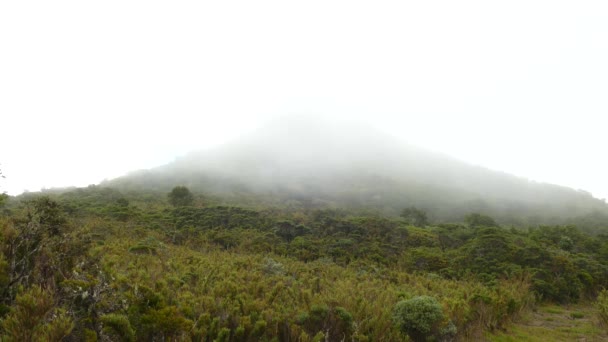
(386, 183)
(602, 307)
(118, 326)
(549, 322)
(419, 317)
(416, 216)
(180, 196)
(128, 266)
(479, 220)
(33, 318)
(3, 199)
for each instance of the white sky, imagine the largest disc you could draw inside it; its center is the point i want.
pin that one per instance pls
(91, 90)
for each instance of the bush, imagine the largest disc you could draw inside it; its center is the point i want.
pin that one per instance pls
(118, 326)
(28, 319)
(180, 196)
(336, 322)
(420, 317)
(272, 267)
(602, 307)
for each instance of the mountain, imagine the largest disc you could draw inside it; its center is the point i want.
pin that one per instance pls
(296, 162)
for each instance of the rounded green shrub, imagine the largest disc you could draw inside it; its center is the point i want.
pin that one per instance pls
(420, 317)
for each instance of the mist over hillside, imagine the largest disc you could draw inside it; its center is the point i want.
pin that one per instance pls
(303, 163)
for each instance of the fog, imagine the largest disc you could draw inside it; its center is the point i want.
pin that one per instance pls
(93, 91)
(303, 162)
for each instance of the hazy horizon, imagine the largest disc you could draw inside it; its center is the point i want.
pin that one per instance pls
(92, 91)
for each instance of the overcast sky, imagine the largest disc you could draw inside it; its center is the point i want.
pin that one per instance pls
(91, 90)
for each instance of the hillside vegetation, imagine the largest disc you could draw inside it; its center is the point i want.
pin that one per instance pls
(297, 233)
(99, 264)
(300, 164)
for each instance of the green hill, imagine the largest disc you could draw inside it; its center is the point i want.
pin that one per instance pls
(300, 164)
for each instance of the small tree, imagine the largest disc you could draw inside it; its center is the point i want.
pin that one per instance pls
(415, 216)
(419, 318)
(49, 215)
(3, 195)
(478, 220)
(180, 196)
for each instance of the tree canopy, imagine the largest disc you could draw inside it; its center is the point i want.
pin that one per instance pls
(416, 216)
(180, 196)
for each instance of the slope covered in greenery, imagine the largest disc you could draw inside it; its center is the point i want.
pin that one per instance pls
(298, 164)
(100, 264)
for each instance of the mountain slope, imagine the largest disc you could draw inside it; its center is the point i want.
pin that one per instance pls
(296, 162)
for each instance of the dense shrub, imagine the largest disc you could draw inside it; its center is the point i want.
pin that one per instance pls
(34, 318)
(180, 196)
(118, 327)
(420, 318)
(602, 307)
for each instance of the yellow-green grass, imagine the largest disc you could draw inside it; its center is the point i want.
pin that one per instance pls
(555, 323)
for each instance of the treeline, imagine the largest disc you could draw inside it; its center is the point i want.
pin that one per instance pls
(97, 264)
(539, 204)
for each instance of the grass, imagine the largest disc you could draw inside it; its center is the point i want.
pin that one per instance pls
(552, 309)
(555, 323)
(577, 315)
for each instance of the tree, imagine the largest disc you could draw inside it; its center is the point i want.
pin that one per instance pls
(3, 199)
(288, 231)
(478, 220)
(180, 196)
(3, 195)
(49, 215)
(37, 247)
(415, 216)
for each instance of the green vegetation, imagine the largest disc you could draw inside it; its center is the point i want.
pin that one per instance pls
(602, 307)
(416, 216)
(365, 171)
(180, 196)
(421, 318)
(101, 264)
(552, 323)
